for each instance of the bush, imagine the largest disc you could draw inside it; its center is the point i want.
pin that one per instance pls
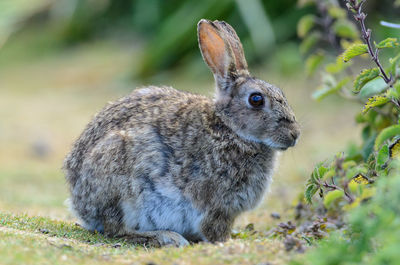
(373, 236)
(359, 187)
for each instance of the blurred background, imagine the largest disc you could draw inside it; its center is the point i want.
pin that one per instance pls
(61, 61)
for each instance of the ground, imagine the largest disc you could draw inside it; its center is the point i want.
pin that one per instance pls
(45, 104)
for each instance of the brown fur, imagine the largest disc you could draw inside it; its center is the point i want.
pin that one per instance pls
(216, 156)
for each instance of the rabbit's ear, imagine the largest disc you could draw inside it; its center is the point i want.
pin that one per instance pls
(232, 38)
(222, 51)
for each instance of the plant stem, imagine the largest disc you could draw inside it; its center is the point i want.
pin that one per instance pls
(326, 22)
(330, 186)
(335, 187)
(366, 33)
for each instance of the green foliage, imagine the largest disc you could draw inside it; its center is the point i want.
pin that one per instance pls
(345, 29)
(343, 180)
(356, 185)
(394, 149)
(165, 29)
(365, 76)
(337, 67)
(332, 196)
(337, 12)
(394, 65)
(353, 51)
(388, 43)
(394, 91)
(313, 62)
(309, 42)
(328, 25)
(314, 183)
(375, 101)
(373, 87)
(383, 156)
(374, 234)
(328, 87)
(305, 25)
(386, 134)
(177, 34)
(310, 191)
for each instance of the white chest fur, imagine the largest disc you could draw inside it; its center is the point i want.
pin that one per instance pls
(163, 209)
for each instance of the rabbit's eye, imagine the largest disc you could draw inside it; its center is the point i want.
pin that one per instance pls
(256, 100)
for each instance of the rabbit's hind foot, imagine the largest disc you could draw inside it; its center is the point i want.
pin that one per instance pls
(155, 239)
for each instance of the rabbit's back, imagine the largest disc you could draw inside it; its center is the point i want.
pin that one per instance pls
(145, 108)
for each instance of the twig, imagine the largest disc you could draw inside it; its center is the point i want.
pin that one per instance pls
(330, 186)
(335, 187)
(360, 16)
(326, 22)
(346, 192)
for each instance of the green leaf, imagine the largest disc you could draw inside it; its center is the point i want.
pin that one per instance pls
(360, 179)
(356, 171)
(395, 59)
(332, 196)
(321, 170)
(334, 68)
(326, 90)
(305, 24)
(329, 174)
(313, 62)
(386, 134)
(353, 51)
(352, 151)
(373, 87)
(366, 132)
(394, 149)
(336, 12)
(349, 164)
(175, 33)
(375, 101)
(315, 176)
(345, 29)
(365, 76)
(309, 193)
(388, 43)
(368, 147)
(383, 156)
(394, 64)
(317, 173)
(309, 42)
(394, 91)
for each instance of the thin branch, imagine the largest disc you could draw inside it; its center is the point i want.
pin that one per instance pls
(335, 187)
(396, 103)
(326, 22)
(330, 186)
(360, 16)
(347, 193)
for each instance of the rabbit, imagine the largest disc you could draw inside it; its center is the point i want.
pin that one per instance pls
(165, 167)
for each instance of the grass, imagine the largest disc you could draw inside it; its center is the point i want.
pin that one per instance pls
(44, 105)
(34, 240)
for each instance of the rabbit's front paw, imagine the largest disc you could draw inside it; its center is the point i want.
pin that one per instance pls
(169, 238)
(155, 239)
(216, 226)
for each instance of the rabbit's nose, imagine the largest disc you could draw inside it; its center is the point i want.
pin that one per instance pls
(295, 136)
